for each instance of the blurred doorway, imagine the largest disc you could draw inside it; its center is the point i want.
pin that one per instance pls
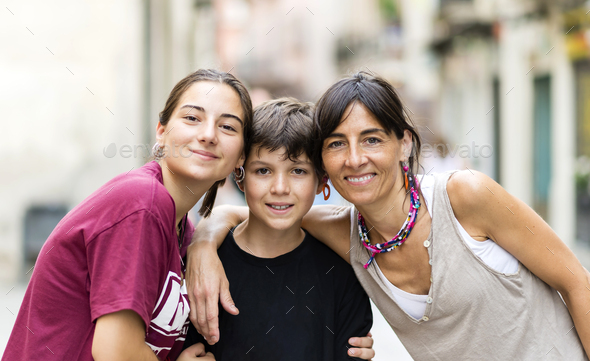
(582, 75)
(542, 162)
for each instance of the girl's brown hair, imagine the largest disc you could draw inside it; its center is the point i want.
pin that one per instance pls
(215, 76)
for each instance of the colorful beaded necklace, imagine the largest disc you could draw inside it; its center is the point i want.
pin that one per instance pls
(403, 233)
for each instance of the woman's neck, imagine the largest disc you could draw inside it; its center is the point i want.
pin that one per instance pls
(185, 192)
(266, 242)
(385, 218)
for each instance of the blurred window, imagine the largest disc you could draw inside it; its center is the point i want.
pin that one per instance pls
(39, 223)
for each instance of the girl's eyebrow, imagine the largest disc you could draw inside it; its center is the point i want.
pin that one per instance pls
(201, 109)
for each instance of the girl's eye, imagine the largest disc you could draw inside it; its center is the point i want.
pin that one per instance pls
(335, 144)
(262, 171)
(191, 118)
(228, 127)
(299, 171)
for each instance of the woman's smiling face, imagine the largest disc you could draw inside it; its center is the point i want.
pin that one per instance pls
(362, 159)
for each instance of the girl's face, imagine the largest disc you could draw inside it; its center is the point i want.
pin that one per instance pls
(203, 138)
(361, 159)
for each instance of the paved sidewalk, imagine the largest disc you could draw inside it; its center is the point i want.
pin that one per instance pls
(387, 346)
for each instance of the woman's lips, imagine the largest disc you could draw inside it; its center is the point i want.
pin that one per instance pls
(360, 179)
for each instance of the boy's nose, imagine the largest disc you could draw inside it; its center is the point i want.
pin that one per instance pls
(280, 185)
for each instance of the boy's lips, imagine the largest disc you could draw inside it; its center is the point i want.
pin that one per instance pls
(279, 207)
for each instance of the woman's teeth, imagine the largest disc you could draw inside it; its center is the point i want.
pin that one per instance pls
(280, 207)
(361, 178)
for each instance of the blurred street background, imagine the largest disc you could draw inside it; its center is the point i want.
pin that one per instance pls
(499, 86)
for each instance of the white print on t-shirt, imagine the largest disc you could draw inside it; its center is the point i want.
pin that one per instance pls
(169, 316)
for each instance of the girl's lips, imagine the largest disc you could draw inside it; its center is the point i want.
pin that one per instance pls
(205, 155)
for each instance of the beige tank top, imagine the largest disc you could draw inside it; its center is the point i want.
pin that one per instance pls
(473, 312)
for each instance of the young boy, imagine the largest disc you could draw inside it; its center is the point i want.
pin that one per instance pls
(298, 300)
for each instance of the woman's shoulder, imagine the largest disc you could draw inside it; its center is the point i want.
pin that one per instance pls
(466, 188)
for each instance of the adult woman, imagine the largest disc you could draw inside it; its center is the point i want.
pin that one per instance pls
(476, 274)
(108, 284)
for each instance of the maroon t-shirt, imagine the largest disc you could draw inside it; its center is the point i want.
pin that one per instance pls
(117, 250)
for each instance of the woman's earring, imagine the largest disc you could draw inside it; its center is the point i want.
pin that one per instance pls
(326, 186)
(158, 151)
(239, 176)
(405, 168)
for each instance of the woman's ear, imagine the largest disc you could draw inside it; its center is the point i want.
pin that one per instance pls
(323, 181)
(407, 145)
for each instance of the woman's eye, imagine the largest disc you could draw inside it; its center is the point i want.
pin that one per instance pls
(335, 144)
(299, 171)
(191, 118)
(262, 171)
(373, 140)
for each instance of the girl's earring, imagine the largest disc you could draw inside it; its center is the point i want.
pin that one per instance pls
(239, 176)
(326, 186)
(405, 168)
(158, 151)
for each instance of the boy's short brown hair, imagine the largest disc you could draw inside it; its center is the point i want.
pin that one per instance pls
(284, 122)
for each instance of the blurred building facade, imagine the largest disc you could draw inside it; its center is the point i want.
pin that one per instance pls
(501, 85)
(512, 74)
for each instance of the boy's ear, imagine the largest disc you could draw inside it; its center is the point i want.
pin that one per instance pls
(241, 185)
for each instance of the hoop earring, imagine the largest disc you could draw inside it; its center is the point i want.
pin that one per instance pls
(239, 178)
(158, 151)
(405, 168)
(326, 186)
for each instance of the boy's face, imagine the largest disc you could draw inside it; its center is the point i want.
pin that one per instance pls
(279, 191)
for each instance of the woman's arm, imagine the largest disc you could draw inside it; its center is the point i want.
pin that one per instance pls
(484, 208)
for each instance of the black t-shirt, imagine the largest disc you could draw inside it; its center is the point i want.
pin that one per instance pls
(303, 305)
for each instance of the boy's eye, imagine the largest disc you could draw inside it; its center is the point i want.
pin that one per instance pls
(299, 171)
(262, 171)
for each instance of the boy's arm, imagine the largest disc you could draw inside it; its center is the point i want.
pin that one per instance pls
(354, 320)
(206, 281)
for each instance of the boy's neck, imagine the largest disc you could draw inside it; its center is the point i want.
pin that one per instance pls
(257, 238)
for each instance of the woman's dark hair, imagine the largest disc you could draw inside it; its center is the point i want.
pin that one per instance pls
(215, 76)
(284, 122)
(378, 96)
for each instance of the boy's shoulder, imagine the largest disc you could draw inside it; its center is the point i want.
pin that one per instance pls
(324, 254)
